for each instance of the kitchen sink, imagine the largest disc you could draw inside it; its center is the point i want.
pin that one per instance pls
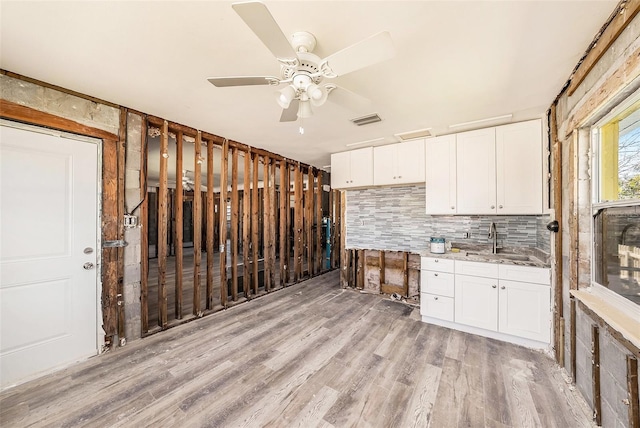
(501, 256)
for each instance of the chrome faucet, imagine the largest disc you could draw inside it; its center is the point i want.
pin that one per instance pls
(493, 233)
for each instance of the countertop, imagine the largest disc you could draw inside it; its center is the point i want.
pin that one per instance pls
(521, 256)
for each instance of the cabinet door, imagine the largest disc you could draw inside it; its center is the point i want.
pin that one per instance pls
(525, 310)
(476, 165)
(340, 170)
(410, 162)
(361, 167)
(519, 168)
(384, 165)
(476, 301)
(440, 174)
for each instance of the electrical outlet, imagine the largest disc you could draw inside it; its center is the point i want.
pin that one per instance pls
(467, 235)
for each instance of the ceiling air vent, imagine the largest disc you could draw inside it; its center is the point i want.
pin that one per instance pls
(412, 135)
(365, 120)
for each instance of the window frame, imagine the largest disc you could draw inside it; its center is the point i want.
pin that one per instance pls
(625, 305)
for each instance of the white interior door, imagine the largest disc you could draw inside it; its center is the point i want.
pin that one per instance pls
(48, 252)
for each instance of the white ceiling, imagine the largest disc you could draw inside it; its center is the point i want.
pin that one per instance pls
(456, 61)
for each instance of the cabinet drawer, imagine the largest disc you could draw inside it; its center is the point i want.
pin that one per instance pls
(486, 270)
(436, 306)
(438, 264)
(437, 283)
(525, 274)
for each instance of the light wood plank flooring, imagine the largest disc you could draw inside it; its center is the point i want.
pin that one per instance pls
(309, 355)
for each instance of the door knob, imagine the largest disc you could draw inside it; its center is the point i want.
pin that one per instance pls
(88, 266)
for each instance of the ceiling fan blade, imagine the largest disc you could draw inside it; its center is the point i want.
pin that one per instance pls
(242, 80)
(256, 15)
(350, 100)
(372, 50)
(290, 114)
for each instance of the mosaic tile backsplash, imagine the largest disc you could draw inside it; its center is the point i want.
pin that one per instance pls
(394, 219)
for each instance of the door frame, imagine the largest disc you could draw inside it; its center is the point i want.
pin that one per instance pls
(108, 206)
(98, 143)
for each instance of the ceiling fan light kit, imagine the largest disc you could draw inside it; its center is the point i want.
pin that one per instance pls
(303, 71)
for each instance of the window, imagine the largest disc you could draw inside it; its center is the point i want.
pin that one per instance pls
(616, 208)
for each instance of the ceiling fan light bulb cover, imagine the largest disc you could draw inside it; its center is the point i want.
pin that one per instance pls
(284, 96)
(322, 98)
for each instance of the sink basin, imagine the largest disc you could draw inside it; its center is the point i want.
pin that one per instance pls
(502, 256)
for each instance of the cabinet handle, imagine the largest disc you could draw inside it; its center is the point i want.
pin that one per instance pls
(435, 298)
(502, 288)
(493, 207)
(452, 207)
(436, 260)
(399, 176)
(494, 286)
(394, 177)
(500, 206)
(435, 274)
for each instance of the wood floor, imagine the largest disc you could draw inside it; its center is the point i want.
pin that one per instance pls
(310, 355)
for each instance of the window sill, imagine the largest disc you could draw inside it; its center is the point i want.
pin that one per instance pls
(628, 327)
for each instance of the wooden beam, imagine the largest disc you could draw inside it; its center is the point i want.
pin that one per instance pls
(632, 391)
(614, 85)
(179, 229)
(271, 216)
(234, 223)
(573, 212)
(382, 267)
(246, 226)
(298, 227)
(210, 224)
(224, 172)
(405, 274)
(620, 18)
(284, 232)
(266, 221)
(13, 111)
(556, 177)
(560, 341)
(360, 278)
(595, 375)
(573, 340)
(122, 138)
(319, 255)
(162, 227)
(197, 224)
(255, 224)
(144, 234)
(309, 221)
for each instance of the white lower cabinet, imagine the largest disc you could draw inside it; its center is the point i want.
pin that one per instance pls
(506, 302)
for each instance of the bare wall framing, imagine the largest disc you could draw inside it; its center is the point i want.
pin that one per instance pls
(225, 223)
(600, 358)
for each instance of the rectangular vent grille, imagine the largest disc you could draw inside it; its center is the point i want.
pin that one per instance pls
(412, 135)
(365, 120)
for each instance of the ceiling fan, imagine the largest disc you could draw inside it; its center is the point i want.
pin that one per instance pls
(187, 182)
(302, 71)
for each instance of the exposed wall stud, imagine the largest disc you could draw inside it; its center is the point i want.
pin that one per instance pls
(223, 223)
(178, 231)
(234, 223)
(162, 228)
(246, 226)
(595, 375)
(210, 225)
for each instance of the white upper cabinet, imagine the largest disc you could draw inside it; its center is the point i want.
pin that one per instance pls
(519, 168)
(352, 169)
(401, 163)
(440, 174)
(476, 166)
(495, 170)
